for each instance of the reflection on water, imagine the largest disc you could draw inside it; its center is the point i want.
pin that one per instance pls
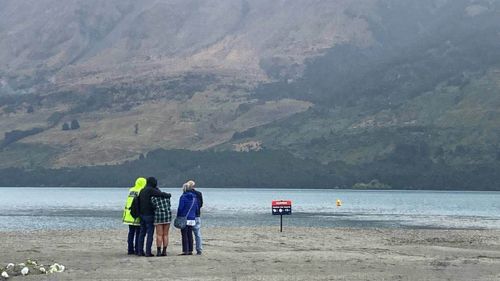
(88, 208)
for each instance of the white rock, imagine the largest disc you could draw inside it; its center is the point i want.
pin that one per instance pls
(10, 265)
(42, 270)
(25, 271)
(5, 275)
(56, 268)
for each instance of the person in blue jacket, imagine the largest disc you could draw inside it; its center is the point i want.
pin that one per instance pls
(188, 204)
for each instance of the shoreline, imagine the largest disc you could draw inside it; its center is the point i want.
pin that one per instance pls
(78, 219)
(279, 188)
(121, 227)
(263, 253)
(114, 224)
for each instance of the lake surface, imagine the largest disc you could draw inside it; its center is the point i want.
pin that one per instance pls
(89, 208)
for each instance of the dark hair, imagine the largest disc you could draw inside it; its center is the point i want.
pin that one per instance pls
(151, 181)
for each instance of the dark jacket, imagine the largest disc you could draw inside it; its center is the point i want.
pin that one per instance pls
(187, 200)
(199, 196)
(145, 205)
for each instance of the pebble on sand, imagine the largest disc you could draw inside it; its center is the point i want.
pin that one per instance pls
(25, 271)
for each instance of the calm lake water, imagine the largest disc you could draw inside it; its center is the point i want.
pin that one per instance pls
(88, 208)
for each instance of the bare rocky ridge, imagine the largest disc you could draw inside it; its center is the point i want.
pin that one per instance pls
(89, 42)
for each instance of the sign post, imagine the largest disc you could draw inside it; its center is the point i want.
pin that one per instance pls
(281, 208)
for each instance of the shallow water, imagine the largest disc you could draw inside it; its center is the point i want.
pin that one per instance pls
(89, 208)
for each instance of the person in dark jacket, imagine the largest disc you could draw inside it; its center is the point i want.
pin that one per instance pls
(188, 204)
(146, 213)
(197, 226)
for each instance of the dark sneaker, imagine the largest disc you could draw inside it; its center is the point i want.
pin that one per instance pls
(198, 253)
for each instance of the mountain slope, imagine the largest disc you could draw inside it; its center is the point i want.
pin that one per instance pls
(404, 92)
(56, 44)
(181, 71)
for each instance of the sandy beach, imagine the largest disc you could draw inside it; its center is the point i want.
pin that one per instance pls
(266, 254)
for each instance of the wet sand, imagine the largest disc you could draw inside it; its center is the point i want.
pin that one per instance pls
(265, 254)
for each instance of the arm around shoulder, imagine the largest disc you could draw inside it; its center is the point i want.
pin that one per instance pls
(158, 193)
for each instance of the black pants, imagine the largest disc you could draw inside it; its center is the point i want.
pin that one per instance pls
(187, 239)
(147, 227)
(133, 239)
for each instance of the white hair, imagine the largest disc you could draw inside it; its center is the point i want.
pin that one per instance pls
(186, 187)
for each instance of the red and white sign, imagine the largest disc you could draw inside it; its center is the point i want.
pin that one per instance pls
(282, 203)
(281, 207)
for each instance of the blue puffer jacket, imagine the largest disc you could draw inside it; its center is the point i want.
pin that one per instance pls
(187, 198)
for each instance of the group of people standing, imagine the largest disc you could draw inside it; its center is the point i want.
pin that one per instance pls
(155, 214)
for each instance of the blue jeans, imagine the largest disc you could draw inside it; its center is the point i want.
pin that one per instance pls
(133, 239)
(197, 235)
(147, 227)
(187, 239)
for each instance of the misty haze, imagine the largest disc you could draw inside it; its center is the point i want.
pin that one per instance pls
(378, 119)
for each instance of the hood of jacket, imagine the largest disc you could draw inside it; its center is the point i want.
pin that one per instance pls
(140, 183)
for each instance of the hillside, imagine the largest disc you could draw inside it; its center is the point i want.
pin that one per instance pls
(181, 70)
(399, 91)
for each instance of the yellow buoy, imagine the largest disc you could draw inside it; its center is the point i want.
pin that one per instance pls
(339, 203)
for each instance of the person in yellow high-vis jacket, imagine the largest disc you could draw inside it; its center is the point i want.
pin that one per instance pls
(134, 225)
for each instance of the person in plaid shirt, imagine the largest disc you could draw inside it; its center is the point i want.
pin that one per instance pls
(163, 217)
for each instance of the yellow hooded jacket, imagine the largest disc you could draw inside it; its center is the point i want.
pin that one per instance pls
(140, 183)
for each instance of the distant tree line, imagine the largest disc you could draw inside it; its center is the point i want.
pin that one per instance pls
(270, 169)
(16, 135)
(245, 134)
(73, 125)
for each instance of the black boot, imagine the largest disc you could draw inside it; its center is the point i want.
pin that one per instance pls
(164, 252)
(158, 251)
